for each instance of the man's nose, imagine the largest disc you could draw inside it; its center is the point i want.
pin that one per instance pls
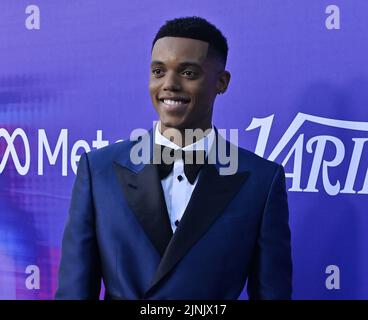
(172, 82)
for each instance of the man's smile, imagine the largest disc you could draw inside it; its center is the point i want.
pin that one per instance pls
(174, 103)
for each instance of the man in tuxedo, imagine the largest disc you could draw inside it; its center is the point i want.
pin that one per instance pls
(176, 225)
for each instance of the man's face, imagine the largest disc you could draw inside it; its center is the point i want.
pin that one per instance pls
(183, 83)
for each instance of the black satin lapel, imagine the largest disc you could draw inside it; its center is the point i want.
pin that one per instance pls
(144, 194)
(208, 201)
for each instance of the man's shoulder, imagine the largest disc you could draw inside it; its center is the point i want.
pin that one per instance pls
(105, 156)
(250, 161)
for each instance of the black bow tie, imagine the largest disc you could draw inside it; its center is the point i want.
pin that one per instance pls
(165, 157)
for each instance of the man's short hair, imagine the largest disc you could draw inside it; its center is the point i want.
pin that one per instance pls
(195, 28)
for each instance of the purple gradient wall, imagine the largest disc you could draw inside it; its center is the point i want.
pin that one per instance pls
(298, 86)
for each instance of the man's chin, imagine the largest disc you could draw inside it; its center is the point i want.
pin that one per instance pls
(173, 123)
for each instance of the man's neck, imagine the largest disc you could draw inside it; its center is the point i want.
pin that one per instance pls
(184, 137)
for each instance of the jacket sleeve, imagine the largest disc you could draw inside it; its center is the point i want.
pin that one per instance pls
(79, 270)
(270, 276)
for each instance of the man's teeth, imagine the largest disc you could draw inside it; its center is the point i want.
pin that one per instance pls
(173, 102)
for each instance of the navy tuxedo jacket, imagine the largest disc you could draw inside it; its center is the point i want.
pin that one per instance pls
(234, 231)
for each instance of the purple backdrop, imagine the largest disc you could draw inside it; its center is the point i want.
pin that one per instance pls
(298, 95)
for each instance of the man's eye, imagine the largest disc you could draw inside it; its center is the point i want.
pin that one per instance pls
(157, 72)
(189, 73)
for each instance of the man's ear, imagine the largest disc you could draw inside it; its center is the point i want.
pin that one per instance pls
(223, 81)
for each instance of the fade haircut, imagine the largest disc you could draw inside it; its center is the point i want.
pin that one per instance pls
(199, 29)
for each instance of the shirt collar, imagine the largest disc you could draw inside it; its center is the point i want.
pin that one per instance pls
(203, 144)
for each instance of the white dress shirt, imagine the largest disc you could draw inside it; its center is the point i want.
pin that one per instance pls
(176, 187)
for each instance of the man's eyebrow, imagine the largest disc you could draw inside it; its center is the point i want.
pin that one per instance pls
(182, 64)
(156, 62)
(190, 64)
